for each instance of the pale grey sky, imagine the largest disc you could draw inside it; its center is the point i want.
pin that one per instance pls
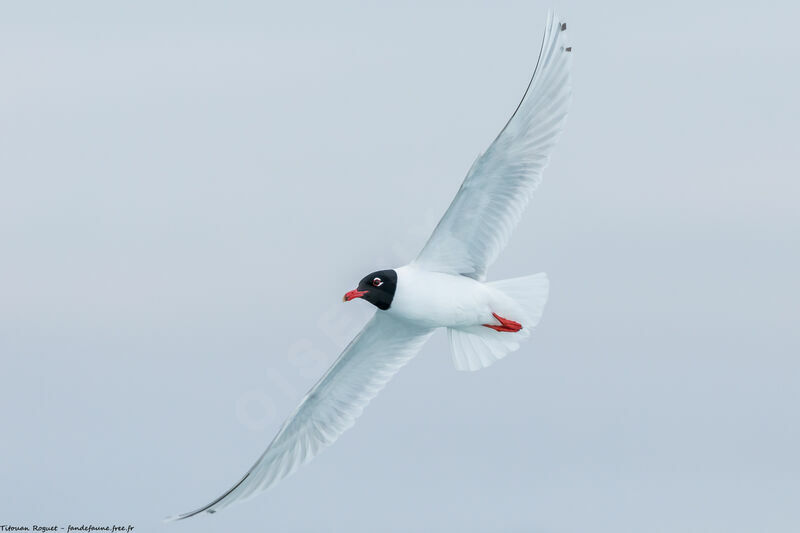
(187, 189)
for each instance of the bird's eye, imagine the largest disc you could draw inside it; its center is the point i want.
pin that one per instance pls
(377, 282)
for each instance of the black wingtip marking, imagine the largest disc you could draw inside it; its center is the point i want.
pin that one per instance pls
(211, 511)
(563, 26)
(568, 49)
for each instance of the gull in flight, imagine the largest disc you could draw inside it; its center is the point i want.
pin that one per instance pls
(444, 287)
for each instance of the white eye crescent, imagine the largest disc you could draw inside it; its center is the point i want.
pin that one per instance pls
(377, 282)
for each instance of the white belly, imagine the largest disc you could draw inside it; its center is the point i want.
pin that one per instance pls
(433, 299)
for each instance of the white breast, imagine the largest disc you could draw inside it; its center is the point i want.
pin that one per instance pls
(433, 299)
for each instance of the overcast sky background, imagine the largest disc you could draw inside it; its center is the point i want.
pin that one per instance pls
(188, 188)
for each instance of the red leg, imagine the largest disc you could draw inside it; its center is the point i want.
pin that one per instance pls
(506, 325)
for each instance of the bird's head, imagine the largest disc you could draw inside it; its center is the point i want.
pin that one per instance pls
(377, 288)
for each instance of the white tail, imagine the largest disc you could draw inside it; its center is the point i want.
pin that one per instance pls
(519, 299)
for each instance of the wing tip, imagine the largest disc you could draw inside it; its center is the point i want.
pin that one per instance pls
(184, 516)
(561, 24)
(554, 21)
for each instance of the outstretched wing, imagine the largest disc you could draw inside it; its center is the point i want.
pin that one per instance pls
(331, 406)
(478, 224)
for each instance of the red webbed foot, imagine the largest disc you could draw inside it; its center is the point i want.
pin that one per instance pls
(506, 325)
